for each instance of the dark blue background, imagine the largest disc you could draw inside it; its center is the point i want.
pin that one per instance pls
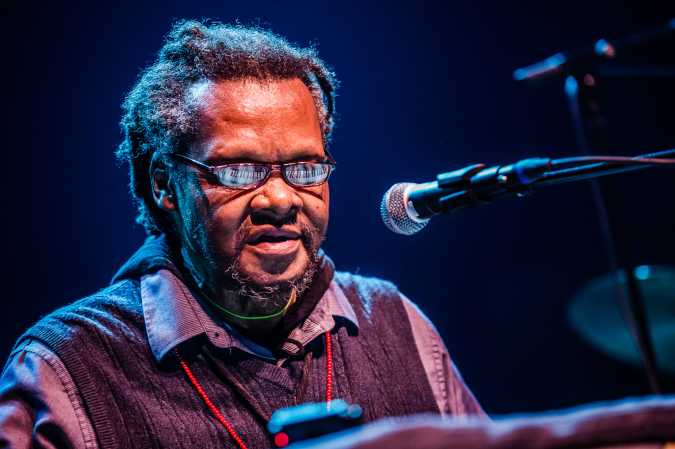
(426, 87)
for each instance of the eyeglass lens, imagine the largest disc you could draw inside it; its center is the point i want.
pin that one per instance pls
(247, 175)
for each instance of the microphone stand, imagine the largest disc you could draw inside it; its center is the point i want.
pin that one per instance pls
(480, 184)
(588, 122)
(581, 69)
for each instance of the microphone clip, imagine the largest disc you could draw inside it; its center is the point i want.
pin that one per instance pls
(479, 184)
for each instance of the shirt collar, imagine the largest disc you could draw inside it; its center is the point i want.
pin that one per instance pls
(173, 315)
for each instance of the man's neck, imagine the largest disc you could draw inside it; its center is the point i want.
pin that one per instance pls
(261, 329)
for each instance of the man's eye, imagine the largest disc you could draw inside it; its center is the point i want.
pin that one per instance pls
(239, 176)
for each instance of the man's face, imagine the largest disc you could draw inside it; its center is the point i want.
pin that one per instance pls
(270, 233)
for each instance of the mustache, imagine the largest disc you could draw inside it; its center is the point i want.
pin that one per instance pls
(266, 217)
(309, 235)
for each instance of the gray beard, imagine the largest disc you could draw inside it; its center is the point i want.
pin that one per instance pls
(251, 299)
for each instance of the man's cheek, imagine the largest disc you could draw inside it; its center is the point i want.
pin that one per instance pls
(226, 229)
(230, 242)
(316, 211)
(224, 239)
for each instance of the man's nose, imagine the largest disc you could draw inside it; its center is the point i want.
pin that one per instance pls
(277, 197)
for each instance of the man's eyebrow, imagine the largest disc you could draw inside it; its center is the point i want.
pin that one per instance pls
(308, 158)
(222, 160)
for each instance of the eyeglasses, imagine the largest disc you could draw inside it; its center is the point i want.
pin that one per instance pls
(252, 175)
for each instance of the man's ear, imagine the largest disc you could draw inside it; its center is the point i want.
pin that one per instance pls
(160, 180)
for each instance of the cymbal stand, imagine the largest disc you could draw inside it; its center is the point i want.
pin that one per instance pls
(588, 122)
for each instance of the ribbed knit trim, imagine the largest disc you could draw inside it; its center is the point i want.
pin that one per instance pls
(96, 408)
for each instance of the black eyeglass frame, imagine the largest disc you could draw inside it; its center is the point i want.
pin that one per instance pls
(213, 169)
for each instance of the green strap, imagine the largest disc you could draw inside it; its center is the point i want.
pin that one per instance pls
(291, 300)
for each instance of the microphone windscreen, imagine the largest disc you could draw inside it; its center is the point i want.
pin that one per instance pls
(395, 213)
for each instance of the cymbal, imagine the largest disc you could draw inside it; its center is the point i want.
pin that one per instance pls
(595, 313)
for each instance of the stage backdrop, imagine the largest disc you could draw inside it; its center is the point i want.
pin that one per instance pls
(425, 88)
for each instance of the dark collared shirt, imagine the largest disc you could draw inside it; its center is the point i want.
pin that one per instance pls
(40, 405)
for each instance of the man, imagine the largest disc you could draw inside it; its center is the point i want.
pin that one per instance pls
(230, 310)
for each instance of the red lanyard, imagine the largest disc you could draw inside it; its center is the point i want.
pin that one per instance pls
(219, 416)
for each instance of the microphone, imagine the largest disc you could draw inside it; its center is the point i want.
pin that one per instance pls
(603, 50)
(407, 207)
(398, 213)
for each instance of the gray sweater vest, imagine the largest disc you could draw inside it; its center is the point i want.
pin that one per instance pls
(134, 402)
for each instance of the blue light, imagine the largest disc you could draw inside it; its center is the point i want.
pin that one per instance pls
(642, 272)
(571, 86)
(524, 73)
(548, 65)
(556, 60)
(601, 47)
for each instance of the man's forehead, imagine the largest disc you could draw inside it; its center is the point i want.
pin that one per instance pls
(242, 99)
(257, 119)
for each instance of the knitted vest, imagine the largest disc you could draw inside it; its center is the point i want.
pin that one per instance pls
(134, 402)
